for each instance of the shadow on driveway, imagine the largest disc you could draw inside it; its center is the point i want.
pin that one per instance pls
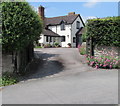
(43, 65)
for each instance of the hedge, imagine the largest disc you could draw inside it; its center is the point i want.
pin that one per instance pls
(105, 31)
(20, 25)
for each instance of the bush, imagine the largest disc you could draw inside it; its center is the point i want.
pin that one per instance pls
(8, 79)
(56, 44)
(84, 37)
(82, 50)
(47, 46)
(103, 62)
(104, 31)
(20, 25)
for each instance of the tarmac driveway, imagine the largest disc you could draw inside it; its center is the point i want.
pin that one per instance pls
(62, 77)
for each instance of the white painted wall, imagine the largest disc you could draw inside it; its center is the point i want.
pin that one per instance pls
(53, 28)
(42, 39)
(69, 33)
(66, 33)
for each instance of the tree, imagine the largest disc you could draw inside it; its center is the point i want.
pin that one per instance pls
(21, 25)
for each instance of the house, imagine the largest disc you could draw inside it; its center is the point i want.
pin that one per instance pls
(63, 29)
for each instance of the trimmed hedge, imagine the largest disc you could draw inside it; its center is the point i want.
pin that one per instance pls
(21, 25)
(104, 31)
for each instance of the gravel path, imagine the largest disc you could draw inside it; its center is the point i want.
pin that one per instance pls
(62, 77)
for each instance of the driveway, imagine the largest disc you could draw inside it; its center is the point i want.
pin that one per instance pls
(60, 76)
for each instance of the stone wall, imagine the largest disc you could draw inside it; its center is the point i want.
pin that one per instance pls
(7, 65)
(0, 63)
(108, 50)
(17, 62)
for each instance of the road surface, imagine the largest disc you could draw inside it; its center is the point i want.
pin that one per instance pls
(62, 77)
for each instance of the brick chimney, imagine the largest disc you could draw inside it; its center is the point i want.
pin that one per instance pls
(41, 12)
(71, 13)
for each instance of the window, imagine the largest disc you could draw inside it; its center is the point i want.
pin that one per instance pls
(46, 38)
(62, 26)
(74, 39)
(77, 25)
(63, 39)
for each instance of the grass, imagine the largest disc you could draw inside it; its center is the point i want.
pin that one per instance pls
(8, 79)
(38, 47)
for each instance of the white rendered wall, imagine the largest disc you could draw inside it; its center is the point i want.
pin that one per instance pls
(69, 33)
(41, 40)
(53, 28)
(66, 33)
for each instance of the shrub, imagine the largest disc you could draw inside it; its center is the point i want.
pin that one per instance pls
(20, 25)
(56, 44)
(82, 50)
(8, 79)
(84, 35)
(47, 46)
(104, 31)
(103, 62)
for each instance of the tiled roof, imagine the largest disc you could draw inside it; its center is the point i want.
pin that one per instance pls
(48, 32)
(68, 19)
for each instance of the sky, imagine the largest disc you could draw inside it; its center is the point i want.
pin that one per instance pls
(85, 9)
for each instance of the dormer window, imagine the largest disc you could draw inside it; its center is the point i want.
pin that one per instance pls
(63, 26)
(77, 25)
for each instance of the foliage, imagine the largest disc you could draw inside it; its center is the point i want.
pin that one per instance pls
(20, 25)
(0, 26)
(104, 31)
(103, 62)
(56, 44)
(47, 46)
(84, 37)
(82, 50)
(8, 79)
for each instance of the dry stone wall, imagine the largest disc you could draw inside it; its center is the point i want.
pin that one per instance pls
(108, 50)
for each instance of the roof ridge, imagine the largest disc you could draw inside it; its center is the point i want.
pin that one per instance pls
(61, 16)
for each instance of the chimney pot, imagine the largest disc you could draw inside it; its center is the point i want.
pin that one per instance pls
(71, 13)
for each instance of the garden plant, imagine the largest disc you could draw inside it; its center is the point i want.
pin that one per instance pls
(103, 61)
(21, 26)
(105, 32)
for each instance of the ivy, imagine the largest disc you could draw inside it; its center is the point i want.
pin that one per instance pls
(104, 31)
(20, 25)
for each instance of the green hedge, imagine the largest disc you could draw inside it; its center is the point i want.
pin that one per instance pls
(20, 25)
(105, 31)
